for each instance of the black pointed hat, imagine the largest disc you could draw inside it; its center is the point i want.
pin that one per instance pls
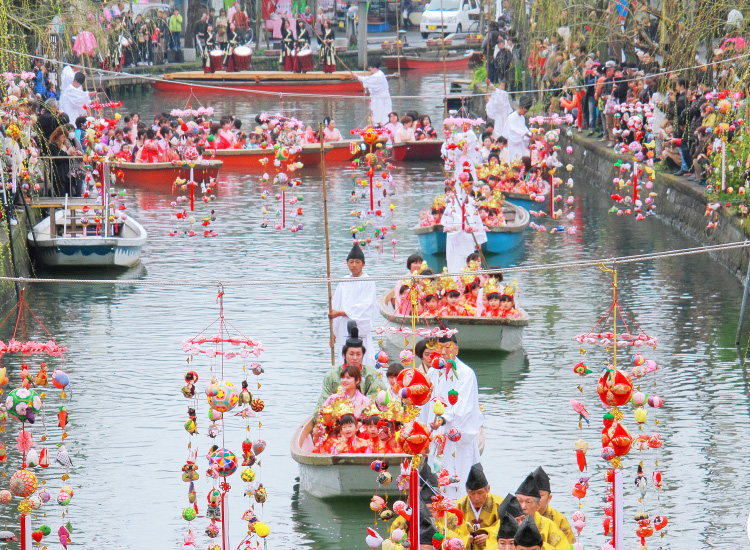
(354, 341)
(476, 479)
(356, 253)
(508, 527)
(510, 505)
(528, 487)
(528, 534)
(542, 480)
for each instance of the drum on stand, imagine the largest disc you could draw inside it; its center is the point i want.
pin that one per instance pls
(242, 56)
(217, 60)
(306, 62)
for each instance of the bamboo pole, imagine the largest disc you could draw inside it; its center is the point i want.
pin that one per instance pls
(328, 242)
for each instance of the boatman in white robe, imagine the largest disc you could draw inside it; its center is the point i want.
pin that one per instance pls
(465, 416)
(517, 132)
(356, 301)
(465, 230)
(74, 97)
(67, 75)
(498, 108)
(376, 85)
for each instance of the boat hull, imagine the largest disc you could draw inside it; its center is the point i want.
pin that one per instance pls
(415, 63)
(313, 82)
(262, 159)
(524, 200)
(161, 175)
(89, 251)
(416, 151)
(500, 240)
(474, 333)
(345, 475)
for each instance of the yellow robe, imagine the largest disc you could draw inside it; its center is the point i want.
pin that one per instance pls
(489, 520)
(551, 534)
(559, 519)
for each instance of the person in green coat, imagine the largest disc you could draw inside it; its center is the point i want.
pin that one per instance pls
(353, 352)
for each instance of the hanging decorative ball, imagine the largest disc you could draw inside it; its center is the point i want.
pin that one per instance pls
(640, 415)
(225, 461)
(257, 405)
(377, 503)
(5, 497)
(225, 398)
(23, 483)
(248, 475)
(192, 154)
(454, 434)
(386, 514)
(63, 499)
(370, 135)
(384, 478)
(23, 404)
(188, 514)
(615, 388)
(655, 401)
(260, 495)
(262, 529)
(212, 531)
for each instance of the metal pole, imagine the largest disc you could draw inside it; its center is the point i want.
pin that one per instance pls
(742, 309)
(328, 242)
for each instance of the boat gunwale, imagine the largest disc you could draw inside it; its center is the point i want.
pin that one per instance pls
(527, 196)
(518, 226)
(41, 237)
(154, 166)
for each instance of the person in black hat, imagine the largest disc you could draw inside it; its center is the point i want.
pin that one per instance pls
(479, 508)
(355, 301)
(463, 414)
(506, 532)
(528, 536)
(353, 353)
(545, 495)
(528, 497)
(511, 506)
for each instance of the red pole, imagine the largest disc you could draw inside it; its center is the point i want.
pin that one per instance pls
(552, 196)
(191, 183)
(283, 207)
(224, 534)
(414, 504)
(372, 198)
(635, 183)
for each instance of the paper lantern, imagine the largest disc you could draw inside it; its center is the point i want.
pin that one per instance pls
(225, 398)
(615, 389)
(23, 483)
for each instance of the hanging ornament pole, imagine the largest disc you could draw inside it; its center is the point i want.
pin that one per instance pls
(551, 196)
(26, 542)
(414, 503)
(618, 519)
(635, 182)
(328, 244)
(192, 190)
(370, 174)
(283, 206)
(723, 164)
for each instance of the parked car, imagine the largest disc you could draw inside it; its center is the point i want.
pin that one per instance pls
(449, 16)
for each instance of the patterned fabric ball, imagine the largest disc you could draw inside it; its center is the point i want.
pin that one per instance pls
(225, 398)
(5, 497)
(248, 475)
(23, 483)
(188, 514)
(225, 461)
(191, 153)
(21, 399)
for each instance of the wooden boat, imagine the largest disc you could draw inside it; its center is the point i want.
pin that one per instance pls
(499, 239)
(340, 151)
(161, 175)
(429, 61)
(344, 475)
(474, 333)
(262, 159)
(313, 82)
(63, 244)
(417, 151)
(524, 199)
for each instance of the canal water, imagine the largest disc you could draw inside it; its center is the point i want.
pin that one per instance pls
(125, 361)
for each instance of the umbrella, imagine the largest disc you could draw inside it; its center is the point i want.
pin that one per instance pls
(85, 43)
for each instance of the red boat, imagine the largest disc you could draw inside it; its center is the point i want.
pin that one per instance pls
(262, 159)
(161, 175)
(430, 61)
(315, 82)
(417, 151)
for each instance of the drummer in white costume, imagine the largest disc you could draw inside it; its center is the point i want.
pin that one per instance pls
(356, 301)
(465, 416)
(376, 85)
(464, 228)
(517, 132)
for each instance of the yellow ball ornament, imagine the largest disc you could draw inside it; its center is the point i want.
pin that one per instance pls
(640, 415)
(262, 529)
(248, 475)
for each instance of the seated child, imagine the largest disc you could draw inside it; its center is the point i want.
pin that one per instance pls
(347, 440)
(453, 307)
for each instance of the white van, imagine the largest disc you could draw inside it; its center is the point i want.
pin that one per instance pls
(449, 16)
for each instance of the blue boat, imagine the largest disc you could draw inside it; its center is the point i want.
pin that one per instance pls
(524, 200)
(500, 239)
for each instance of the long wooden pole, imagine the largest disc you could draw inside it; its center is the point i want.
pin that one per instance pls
(328, 242)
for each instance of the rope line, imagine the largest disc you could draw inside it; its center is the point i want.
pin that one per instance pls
(325, 280)
(361, 96)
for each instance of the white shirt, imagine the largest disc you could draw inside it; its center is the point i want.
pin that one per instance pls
(66, 78)
(376, 85)
(72, 101)
(515, 131)
(459, 243)
(358, 299)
